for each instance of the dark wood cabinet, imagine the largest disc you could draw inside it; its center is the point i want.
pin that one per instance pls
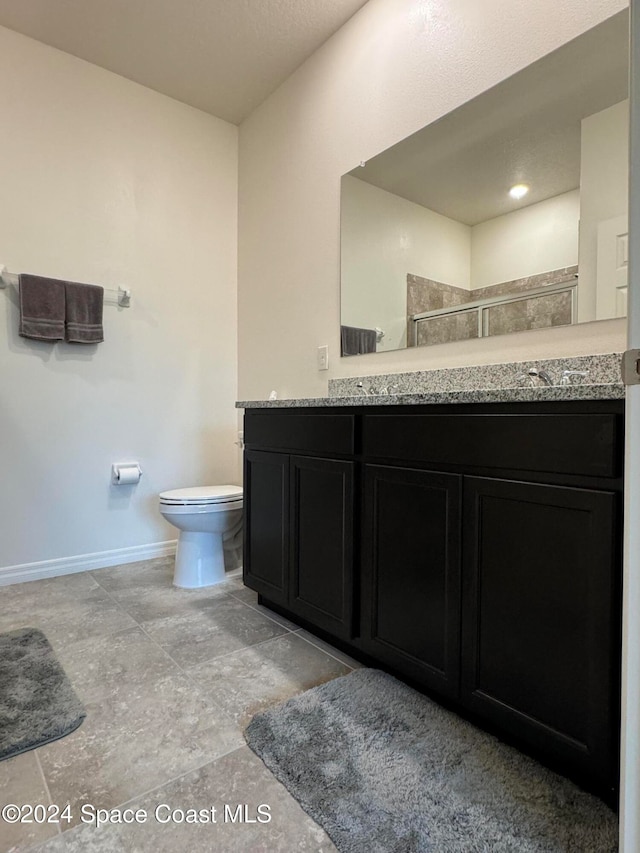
(472, 549)
(540, 641)
(411, 573)
(298, 536)
(266, 524)
(322, 541)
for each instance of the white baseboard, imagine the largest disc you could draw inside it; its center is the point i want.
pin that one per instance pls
(84, 562)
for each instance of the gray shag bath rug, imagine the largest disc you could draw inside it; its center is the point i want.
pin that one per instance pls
(37, 702)
(384, 769)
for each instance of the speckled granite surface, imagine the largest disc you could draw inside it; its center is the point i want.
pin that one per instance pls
(486, 395)
(492, 383)
(600, 369)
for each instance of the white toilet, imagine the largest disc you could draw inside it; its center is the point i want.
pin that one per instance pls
(202, 514)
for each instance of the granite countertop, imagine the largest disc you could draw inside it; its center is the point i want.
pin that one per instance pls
(591, 377)
(607, 391)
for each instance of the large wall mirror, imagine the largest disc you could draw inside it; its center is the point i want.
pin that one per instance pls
(508, 214)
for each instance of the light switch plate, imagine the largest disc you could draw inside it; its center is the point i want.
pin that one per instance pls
(323, 358)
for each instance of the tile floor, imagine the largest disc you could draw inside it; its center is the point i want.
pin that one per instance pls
(169, 679)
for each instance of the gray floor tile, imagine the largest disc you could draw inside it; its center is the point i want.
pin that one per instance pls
(146, 603)
(70, 619)
(329, 649)
(148, 721)
(21, 783)
(210, 629)
(247, 681)
(242, 592)
(143, 575)
(154, 575)
(102, 666)
(271, 614)
(135, 739)
(236, 779)
(35, 592)
(250, 597)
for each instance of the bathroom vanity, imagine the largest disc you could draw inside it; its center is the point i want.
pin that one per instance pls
(472, 549)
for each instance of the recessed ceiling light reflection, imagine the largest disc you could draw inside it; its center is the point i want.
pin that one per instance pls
(519, 191)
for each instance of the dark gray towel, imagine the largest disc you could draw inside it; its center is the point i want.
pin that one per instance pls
(84, 313)
(356, 341)
(41, 308)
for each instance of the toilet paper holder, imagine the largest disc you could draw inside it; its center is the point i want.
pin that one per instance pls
(125, 473)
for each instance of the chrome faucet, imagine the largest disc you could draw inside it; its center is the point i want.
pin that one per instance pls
(373, 392)
(541, 374)
(567, 374)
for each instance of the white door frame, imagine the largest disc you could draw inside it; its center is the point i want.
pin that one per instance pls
(630, 731)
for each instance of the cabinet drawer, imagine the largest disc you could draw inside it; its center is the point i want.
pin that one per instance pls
(317, 434)
(587, 444)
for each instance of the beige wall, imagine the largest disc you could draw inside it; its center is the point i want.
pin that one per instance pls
(384, 237)
(534, 239)
(105, 181)
(604, 190)
(394, 67)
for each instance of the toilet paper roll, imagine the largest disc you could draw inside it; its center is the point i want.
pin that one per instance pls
(125, 475)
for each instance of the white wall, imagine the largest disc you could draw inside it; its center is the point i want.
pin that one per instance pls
(384, 237)
(604, 190)
(534, 239)
(394, 67)
(105, 181)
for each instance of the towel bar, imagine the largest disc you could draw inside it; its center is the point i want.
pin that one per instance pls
(122, 294)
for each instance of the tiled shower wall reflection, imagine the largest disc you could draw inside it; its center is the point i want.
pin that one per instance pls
(423, 294)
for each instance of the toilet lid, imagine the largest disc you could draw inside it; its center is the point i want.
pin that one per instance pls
(202, 495)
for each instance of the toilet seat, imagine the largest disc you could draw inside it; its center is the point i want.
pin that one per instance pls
(202, 496)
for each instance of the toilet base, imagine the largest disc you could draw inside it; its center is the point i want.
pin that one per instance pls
(199, 560)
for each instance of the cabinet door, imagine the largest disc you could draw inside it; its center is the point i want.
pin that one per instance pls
(321, 573)
(266, 524)
(540, 651)
(411, 573)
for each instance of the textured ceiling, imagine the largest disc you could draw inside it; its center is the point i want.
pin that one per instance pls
(222, 56)
(524, 130)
